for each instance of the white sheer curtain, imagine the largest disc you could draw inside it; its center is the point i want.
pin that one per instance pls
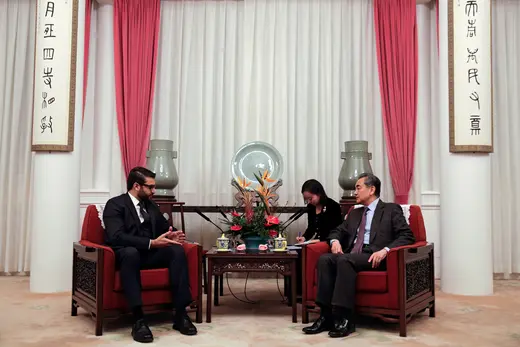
(506, 157)
(17, 27)
(301, 75)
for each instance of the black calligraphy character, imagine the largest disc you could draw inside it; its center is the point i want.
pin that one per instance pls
(47, 76)
(474, 97)
(50, 9)
(44, 102)
(472, 29)
(48, 32)
(46, 125)
(475, 124)
(471, 6)
(472, 55)
(473, 73)
(51, 100)
(43, 124)
(48, 53)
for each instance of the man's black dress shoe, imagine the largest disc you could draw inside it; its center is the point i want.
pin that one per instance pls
(141, 332)
(183, 324)
(342, 327)
(320, 325)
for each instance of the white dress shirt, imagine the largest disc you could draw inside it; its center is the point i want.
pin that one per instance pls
(138, 210)
(368, 224)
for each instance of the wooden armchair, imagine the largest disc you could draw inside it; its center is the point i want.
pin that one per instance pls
(395, 295)
(96, 285)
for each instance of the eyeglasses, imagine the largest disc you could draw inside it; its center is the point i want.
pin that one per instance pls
(150, 186)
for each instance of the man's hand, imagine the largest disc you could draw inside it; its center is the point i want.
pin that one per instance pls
(164, 240)
(177, 236)
(336, 248)
(377, 257)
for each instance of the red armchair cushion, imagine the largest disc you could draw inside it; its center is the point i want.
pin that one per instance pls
(417, 223)
(92, 230)
(372, 281)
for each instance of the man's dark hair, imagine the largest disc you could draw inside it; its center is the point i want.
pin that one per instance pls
(138, 175)
(371, 180)
(314, 187)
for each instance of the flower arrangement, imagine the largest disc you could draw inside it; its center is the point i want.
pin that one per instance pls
(258, 218)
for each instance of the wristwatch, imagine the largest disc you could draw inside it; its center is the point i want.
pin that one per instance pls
(387, 249)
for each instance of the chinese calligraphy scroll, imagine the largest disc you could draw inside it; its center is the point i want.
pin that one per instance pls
(471, 96)
(55, 75)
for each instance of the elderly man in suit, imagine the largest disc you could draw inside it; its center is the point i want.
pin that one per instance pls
(142, 239)
(360, 243)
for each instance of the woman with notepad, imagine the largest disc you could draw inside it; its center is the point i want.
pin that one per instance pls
(324, 213)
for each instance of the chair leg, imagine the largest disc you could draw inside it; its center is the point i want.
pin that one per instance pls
(74, 308)
(432, 309)
(221, 285)
(305, 313)
(198, 314)
(99, 325)
(402, 325)
(205, 275)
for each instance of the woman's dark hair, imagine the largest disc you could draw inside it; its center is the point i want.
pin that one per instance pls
(314, 187)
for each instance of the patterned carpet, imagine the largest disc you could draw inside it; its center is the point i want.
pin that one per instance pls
(44, 320)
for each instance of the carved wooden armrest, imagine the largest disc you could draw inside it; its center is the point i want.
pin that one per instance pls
(88, 265)
(414, 265)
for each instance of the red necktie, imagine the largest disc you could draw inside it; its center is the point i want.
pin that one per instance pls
(361, 233)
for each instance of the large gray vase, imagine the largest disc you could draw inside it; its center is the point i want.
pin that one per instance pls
(356, 161)
(159, 159)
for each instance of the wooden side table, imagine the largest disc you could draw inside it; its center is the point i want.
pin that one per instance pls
(235, 261)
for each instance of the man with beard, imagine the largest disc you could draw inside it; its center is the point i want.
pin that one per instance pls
(142, 239)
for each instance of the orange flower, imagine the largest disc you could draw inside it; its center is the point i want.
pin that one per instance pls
(266, 177)
(243, 183)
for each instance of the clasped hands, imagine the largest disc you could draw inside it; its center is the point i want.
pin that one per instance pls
(375, 258)
(169, 238)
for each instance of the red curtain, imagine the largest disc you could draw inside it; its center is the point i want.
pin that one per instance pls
(396, 40)
(88, 13)
(136, 34)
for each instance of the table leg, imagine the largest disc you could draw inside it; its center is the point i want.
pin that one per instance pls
(208, 295)
(215, 294)
(293, 291)
(287, 289)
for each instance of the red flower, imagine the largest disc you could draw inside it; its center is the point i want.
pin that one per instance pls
(236, 228)
(235, 214)
(273, 233)
(272, 220)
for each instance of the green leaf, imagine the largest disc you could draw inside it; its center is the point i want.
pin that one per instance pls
(259, 179)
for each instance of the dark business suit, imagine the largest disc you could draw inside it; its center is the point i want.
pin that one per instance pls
(337, 273)
(323, 223)
(130, 240)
